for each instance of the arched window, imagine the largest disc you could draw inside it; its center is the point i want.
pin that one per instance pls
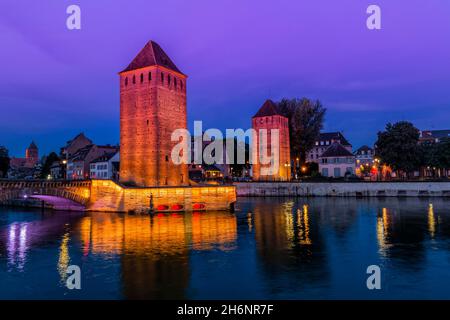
(126, 81)
(142, 77)
(134, 79)
(149, 76)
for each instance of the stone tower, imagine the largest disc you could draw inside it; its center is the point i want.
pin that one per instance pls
(268, 117)
(152, 106)
(32, 155)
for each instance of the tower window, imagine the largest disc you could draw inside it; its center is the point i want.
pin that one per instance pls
(167, 158)
(142, 77)
(168, 80)
(181, 85)
(149, 76)
(175, 82)
(126, 81)
(162, 77)
(134, 79)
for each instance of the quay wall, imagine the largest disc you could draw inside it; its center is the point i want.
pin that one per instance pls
(343, 189)
(107, 195)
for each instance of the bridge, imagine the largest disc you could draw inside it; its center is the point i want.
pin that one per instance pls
(107, 195)
(61, 195)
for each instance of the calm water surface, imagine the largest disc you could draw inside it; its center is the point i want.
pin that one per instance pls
(277, 248)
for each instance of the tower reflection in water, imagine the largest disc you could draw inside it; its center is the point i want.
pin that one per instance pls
(155, 250)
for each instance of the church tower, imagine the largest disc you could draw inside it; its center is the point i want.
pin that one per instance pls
(268, 117)
(32, 155)
(152, 106)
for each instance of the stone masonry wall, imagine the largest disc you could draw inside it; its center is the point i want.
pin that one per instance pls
(357, 189)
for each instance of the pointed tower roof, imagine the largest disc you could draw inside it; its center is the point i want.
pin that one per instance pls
(269, 108)
(32, 145)
(151, 55)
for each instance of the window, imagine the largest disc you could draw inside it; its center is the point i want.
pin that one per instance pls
(134, 79)
(126, 81)
(162, 77)
(349, 170)
(168, 80)
(325, 172)
(181, 85)
(149, 76)
(142, 77)
(337, 172)
(175, 82)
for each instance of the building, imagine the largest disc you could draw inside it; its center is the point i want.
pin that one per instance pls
(267, 118)
(325, 140)
(72, 146)
(152, 106)
(105, 166)
(337, 161)
(433, 136)
(30, 161)
(196, 170)
(56, 170)
(365, 157)
(79, 164)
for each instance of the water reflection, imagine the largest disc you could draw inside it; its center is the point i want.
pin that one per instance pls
(270, 248)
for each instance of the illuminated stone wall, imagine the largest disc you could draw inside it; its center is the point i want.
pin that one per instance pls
(109, 196)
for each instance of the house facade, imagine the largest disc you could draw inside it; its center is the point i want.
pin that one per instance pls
(336, 162)
(324, 141)
(105, 167)
(79, 164)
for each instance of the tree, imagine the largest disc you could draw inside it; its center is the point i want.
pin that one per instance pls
(4, 161)
(398, 147)
(305, 122)
(52, 157)
(436, 155)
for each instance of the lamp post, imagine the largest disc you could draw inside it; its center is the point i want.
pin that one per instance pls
(64, 165)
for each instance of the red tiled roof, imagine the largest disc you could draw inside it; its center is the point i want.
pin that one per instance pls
(269, 108)
(152, 55)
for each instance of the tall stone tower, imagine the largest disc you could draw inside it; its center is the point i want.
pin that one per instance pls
(268, 117)
(152, 106)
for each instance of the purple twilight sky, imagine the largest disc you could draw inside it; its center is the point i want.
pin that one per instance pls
(56, 83)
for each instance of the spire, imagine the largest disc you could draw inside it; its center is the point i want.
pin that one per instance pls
(269, 108)
(152, 55)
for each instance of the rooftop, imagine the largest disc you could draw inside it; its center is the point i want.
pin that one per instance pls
(334, 137)
(336, 150)
(269, 108)
(151, 55)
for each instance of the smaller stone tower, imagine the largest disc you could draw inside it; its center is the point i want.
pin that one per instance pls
(268, 117)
